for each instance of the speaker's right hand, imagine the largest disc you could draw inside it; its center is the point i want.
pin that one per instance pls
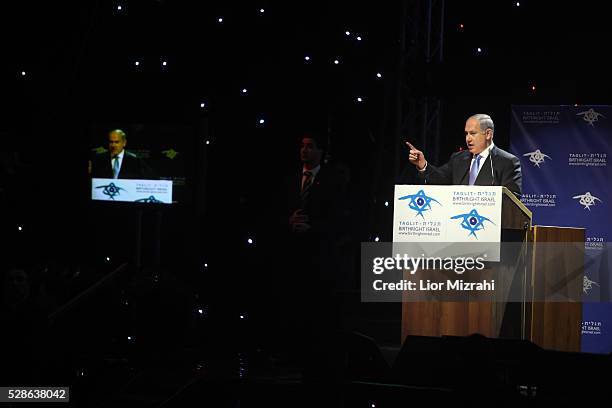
(416, 157)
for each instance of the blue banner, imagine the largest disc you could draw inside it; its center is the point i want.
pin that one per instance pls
(566, 182)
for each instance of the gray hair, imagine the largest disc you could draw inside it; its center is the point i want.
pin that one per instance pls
(485, 121)
(120, 132)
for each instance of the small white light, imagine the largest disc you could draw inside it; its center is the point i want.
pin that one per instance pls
(376, 239)
(244, 90)
(386, 203)
(378, 75)
(518, 4)
(202, 104)
(207, 142)
(220, 19)
(206, 265)
(129, 337)
(336, 62)
(164, 63)
(19, 228)
(200, 311)
(261, 121)
(359, 99)
(23, 73)
(137, 63)
(250, 241)
(373, 405)
(358, 38)
(347, 32)
(119, 8)
(107, 258)
(262, 11)
(307, 58)
(479, 49)
(242, 316)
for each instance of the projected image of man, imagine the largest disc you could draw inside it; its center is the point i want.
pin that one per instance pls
(118, 163)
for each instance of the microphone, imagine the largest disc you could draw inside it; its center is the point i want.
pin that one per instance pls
(467, 172)
(492, 172)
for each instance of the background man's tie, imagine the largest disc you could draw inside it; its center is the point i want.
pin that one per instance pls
(306, 183)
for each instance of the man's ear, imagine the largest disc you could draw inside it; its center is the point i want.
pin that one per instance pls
(489, 134)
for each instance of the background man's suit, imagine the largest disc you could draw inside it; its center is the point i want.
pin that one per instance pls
(506, 171)
(322, 201)
(311, 266)
(132, 167)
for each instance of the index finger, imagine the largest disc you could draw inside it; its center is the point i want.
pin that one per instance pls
(411, 146)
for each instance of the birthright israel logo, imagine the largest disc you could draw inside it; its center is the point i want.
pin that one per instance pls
(150, 199)
(587, 284)
(587, 200)
(111, 190)
(472, 222)
(590, 116)
(537, 157)
(419, 202)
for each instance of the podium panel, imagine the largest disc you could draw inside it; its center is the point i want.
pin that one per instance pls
(546, 271)
(557, 325)
(508, 221)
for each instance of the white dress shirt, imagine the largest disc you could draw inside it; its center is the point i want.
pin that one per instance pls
(483, 157)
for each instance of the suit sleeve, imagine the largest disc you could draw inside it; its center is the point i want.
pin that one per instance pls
(332, 205)
(146, 171)
(512, 177)
(442, 175)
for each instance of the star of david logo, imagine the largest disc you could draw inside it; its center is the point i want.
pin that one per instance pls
(419, 202)
(111, 190)
(587, 284)
(150, 199)
(537, 157)
(99, 150)
(587, 200)
(472, 222)
(170, 153)
(590, 116)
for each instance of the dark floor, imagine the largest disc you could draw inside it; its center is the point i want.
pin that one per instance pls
(150, 342)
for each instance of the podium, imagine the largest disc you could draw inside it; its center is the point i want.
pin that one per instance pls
(535, 264)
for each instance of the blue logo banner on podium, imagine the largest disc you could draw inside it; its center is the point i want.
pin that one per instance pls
(564, 153)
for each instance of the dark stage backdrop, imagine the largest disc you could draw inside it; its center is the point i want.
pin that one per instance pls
(566, 182)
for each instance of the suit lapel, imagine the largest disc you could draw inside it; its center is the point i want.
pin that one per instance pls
(484, 175)
(464, 167)
(314, 186)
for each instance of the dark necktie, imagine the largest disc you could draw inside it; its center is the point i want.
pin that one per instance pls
(308, 176)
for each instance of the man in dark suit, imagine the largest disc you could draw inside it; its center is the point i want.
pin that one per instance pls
(119, 163)
(482, 164)
(317, 208)
(315, 195)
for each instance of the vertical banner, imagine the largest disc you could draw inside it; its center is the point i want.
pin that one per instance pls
(564, 154)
